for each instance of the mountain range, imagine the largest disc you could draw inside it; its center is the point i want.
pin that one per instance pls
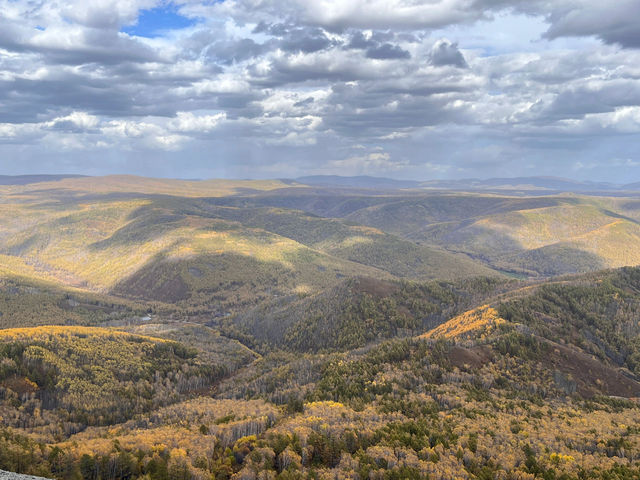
(323, 327)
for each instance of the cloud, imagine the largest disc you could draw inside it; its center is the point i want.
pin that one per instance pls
(305, 40)
(74, 122)
(188, 122)
(264, 83)
(362, 164)
(387, 51)
(446, 53)
(361, 41)
(363, 14)
(614, 23)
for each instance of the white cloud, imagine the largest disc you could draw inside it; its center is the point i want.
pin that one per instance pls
(189, 122)
(367, 14)
(373, 161)
(75, 120)
(307, 81)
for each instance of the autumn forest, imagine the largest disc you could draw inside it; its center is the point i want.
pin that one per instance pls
(278, 330)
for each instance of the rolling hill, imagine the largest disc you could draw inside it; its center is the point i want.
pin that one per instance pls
(193, 252)
(530, 236)
(162, 329)
(541, 235)
(92, 376)
(357, 312)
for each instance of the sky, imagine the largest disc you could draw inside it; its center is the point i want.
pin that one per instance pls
(410, 89)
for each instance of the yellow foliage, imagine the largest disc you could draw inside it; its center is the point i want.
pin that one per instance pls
(482, 318)
(35, 333)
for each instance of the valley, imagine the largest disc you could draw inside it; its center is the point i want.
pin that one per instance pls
(318, 328)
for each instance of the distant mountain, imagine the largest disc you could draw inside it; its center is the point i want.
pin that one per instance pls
(554, 184)
(536, 183)
(362, 181)
(524, 183)
(530, 235)
(27, 179)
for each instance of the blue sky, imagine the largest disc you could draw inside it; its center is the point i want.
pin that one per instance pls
(155, 22)
(283, 88)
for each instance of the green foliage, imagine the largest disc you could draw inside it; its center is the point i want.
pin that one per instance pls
(417, 435)
(596, 315)
(96, 376)
(344, 388)
(358, 312)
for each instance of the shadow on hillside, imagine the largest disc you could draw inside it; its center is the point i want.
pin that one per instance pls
(213, 278)
(469, 237)
(504, 253)
(146, 227)
(167, 214)
(552, 260)
(406, 216)
(620, 216)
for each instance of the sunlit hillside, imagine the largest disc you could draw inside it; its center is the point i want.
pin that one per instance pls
(130, 184)
(160, 329)
(172, 249)
(530, 236)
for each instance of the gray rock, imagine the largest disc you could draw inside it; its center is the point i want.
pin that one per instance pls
(17, 476)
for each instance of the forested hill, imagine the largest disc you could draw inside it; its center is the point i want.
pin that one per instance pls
(357, 312)
(164, 329)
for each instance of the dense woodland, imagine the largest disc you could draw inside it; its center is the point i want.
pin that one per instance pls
(274, 333)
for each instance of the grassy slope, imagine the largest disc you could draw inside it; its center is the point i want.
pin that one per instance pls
(542, 235)
(203, 256)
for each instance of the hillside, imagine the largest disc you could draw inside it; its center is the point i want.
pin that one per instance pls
(159, 329)
(588, 319)
(368, 246)
(150, 249)
(70, 185)
(213, 347)
(196, 254)
(28, 302)
(542, 235)
(133, 229)
(357, 312)
(530, 236)
(81, 376)
(27, 179)
(518, 362)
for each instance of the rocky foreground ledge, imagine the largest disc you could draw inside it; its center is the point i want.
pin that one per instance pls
(17, 476)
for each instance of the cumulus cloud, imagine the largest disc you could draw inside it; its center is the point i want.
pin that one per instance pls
(74, 122)
(267, 83)
(373, 14)
(446, 53)
(615, 22)
(387, 51)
